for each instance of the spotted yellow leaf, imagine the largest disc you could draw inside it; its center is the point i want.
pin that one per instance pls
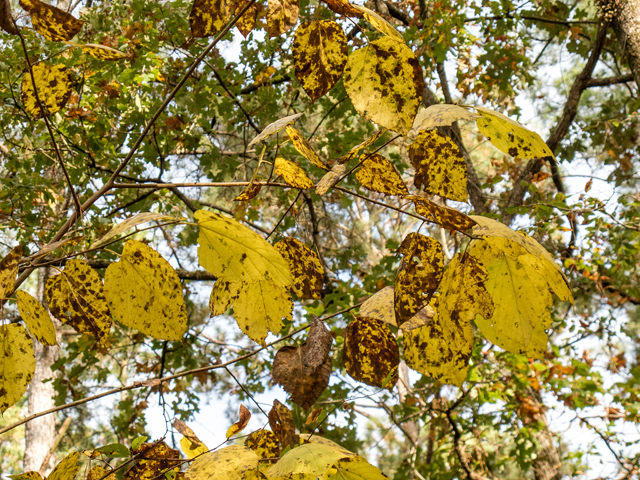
(144, 292)
(343, 7)
(384, 82)
(76, 297)
(319, 56)
(301, 145)
(440, 167)
(54, 89)
(153, 460)
(208, 17)
(380, 24)
(101, 52)
(292, 174)
(51, 22)
(247, 21)
(17, 364)
(330, 179)
(275, 127)
(250, 191)
(381, 306)
(442, 348)
(8, 272)
(446, 217)
(100, 473)
(67, 469)
(27, 476)
(378, 174)
(353, 153)
(441, 115)
(36, 318)
(305, 266)
(311, 460)
(418, 276)
(265, 443)
(370, 352)
(132, 222)
(282, 16)
(245, 416)
(190, 450)
(232, 251)
(510, 137)
(227, 463)
(222, 296)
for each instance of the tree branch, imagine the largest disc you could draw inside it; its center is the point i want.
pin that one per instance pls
(607, 81)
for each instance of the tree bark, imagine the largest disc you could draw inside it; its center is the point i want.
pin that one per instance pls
(41, 432)
(625, 17)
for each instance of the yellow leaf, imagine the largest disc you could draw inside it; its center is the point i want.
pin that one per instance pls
(442, 348)
(191, 451)
(282, 16)
(208, 17)
(418, 276)
(384, 81)
(305, 266)
(264, 443)
(275, 127)
(101, 52)
(353, 153)
(292, 174)
(99, 473)
(380, 24)
(343, 7)
(260, 307)
(282, 424)
(510, 137)
(50, 247)
(521, 297)
(134, 221)
(144, 292)
(247, 21)
(441, 115)
(153, 461)
(222, 296)
(240, 425)
(233, 251)
(446, 217)
(319, 56)
(27, 476)
(378, 174)
(249, 192)
(54, 89)
(76, 297)
(229, 463)
(36, 318)
(302, 146)
(67, 469)
(440, 167)
(381, 306)
(308, 461)
(330, 179)
(556, 279)
(51, 22)
(356, 468)
(317, 439)
(17, 364)
(8, 272)
(370, 352)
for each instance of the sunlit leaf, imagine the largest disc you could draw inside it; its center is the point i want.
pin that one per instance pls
(36, 318)
(380, 24)
(441, 115)
(353, 153)
(446, 217)
(191, 451)
(385, 83)
(54, 89)
(101, 52)
(208, 17)
(302, 146)
(265, 443)
(51, 22)
(67, 469)
(247, 21)
(343, 7)
(144, 293)
(292, 174)
(319, 56)
(305, 267)
(100, 473)
(379, 175)
(17, 364)
(228, 463)
(381, 306)
(153, 460)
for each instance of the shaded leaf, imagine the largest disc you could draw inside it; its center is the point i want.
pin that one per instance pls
(50, 247)
(231, 250)
(282, 16)
(292, 174)
(418, 276)
(275, 127)
(370, 352)
(131, 222)
(510, 137)
(440, 167)
(385, 84)
(242, 422)
(319, 56)
(17, 364)
(330, 179)
(153, 461)
(302, 146)
(8, 272)
(228, 463)
(99, 473)
(304, 371)
(378, 174)
(208, 17)
(446, 217)
(250, 191)
(381, 306)
(27, 476)
(54, 89)
(76, 297)
(247, 21)
(144, 292)
(67, 469)
(114, 450)
(313, 416)
(36, 318)
(51, 22)
(282, 424)
(264, 443)
(441, 115)
(305, 267)
(380, 24)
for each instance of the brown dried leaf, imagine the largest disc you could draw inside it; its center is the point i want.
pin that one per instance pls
(446, 217)
(305, 267)
(418, 276)
(330, 179)
(282, 424)
(247, 21)
(370, 352)
(237, 427)
(185, 430)
(304, 371)
(313, 416)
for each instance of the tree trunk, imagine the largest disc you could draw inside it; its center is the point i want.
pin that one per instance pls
(625, 17)
(41, 432)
